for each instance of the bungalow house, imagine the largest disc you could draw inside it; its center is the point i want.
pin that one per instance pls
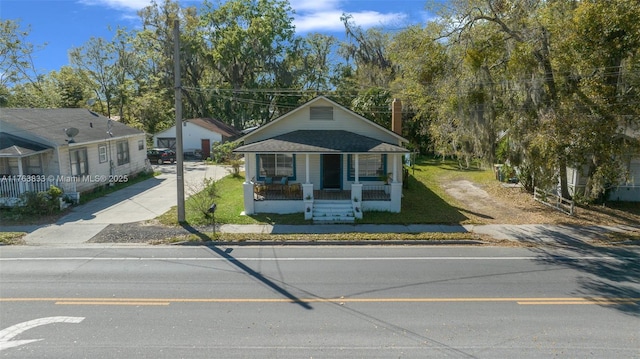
(325, 161)
(198, 135)
(72, 148)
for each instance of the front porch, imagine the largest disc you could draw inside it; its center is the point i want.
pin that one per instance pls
(13, 187)
(369, 193)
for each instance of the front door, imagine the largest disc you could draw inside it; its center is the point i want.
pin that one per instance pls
(331, 171)
(206, 148)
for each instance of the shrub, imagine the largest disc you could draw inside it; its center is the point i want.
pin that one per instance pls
(223, 152)
(41, 203)
(202, 197)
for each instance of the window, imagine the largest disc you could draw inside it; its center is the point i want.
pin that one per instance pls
(370, 166)
(79, 163)
(33, 165)
(277, 165)
(102, 153)
(321, 113)
(140, 145)
(123, 152)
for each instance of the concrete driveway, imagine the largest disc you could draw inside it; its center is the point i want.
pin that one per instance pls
(141, 201)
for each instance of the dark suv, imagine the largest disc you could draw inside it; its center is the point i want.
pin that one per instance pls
(161, 155)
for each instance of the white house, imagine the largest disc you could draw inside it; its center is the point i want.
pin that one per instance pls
(628, 191)
(198, 134)
(74, 148)
(325, 161)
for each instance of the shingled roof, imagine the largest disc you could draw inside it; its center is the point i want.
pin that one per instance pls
(50, 124)
(217, 126)
(14, 146)
(321, 141)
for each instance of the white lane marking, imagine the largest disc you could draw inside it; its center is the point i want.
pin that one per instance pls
(9, 333)
(214, 259)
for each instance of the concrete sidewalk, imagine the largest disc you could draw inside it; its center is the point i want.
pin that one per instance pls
(149, 199)
(139, 202)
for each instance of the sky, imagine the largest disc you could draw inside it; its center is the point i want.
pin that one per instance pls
(57, 26)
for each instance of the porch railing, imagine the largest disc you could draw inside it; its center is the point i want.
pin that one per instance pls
(263, 192)
(15, 187)
(376, 193)
(293, 192)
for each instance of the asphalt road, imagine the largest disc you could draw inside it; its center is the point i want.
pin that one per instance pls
(319, 302)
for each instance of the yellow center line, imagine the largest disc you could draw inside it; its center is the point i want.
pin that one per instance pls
(167, 301)
(110, 303)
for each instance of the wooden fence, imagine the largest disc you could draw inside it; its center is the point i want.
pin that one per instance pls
(554, 201)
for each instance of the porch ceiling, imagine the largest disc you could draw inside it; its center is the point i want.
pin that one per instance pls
(321, 141)
(14, 146)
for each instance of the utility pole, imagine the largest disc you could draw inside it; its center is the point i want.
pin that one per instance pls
(178, 95)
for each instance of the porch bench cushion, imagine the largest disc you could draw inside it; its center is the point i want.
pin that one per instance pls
(277, 183)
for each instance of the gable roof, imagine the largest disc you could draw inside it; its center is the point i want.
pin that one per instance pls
(14, 146)
(311, 103)
(215, 125)
(50, 123)
(324, 141)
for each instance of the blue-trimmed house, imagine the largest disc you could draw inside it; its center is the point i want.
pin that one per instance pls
(325, 161)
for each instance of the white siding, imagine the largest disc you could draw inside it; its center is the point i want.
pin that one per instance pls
(634, 172)
(137, 160)
(192, 136)
(342, 120)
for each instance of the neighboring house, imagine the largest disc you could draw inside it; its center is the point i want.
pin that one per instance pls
(325, 161)
(198, 135)
(627, 191)
(72, 148)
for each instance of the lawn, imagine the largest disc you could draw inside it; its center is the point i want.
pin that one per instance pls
(424, 201)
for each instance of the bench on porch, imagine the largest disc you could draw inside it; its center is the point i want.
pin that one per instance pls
(277, 187)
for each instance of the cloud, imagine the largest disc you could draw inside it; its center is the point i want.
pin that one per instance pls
(324, 16)
(314, 6)
(310, 15)
(118, 4)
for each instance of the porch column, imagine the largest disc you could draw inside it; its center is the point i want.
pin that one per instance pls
(357, 168)
(20, 172)
(247, 174)
(247, 187)
(306, 168)
(396, 197)
(395, 168)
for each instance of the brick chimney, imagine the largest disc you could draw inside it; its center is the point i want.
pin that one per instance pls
(396, 116)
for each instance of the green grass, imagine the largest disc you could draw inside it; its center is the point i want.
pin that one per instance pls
(229, 206)
(424, 201)
(105, 190)
(11, 238)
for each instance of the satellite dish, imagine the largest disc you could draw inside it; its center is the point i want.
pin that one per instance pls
(71, 132)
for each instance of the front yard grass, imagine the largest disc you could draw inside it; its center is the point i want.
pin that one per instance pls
(424, 201)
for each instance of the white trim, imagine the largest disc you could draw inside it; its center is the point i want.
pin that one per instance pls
(309, 104)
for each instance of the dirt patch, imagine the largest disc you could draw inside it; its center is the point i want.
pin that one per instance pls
(498, 203)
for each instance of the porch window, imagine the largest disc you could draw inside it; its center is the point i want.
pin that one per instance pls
(370, 167)
(102, 153)
(79, 163)
(33, 165)
(123, 152)
(276, 165)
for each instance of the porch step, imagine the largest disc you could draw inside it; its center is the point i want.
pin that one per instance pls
(333, 212)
